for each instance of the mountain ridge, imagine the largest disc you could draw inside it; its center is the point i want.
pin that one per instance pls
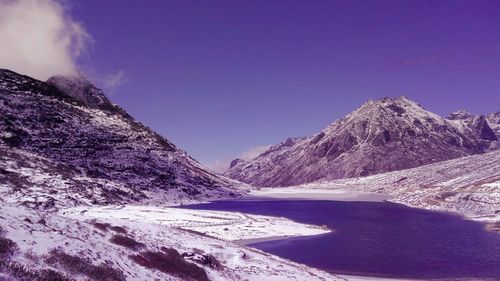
(380, 136)
(90, 142)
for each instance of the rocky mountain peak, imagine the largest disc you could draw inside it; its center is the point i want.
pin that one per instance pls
(381, 135)
(483, 129)
(494, 116)
(236, 162)
(399, 106)
(80, 88)
(459, 115)
(494, 122)
(386, 115)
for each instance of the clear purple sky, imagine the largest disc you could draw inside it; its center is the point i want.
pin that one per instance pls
(220, 77)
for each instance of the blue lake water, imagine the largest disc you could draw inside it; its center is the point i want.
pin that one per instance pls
(379, 239)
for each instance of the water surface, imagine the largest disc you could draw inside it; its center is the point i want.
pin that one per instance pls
(379, 239)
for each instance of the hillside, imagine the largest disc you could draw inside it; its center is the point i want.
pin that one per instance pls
(63, 142)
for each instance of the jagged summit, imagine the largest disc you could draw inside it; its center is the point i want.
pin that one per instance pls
(81, 89)
(386, 108)
(76, 90)
(381, 135)
(494, 122)
(485, 127)
(459, 115)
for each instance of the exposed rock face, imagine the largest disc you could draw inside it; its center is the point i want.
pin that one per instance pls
(81, 89)
(236, 162)
(459, 115)
(380, 136)
(483, 130)
(486, 128)
(68, 128)
(494, 122)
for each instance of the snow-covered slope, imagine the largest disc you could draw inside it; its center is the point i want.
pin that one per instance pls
(380, 136)
(63, 144)
(477, 124)
(52, 247)
(494, 122)
(228, 226)
(65, 136)
(468, 185)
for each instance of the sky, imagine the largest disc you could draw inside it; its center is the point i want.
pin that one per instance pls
(225, 79)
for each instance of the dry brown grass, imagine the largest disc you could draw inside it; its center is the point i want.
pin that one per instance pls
(127, 242)
(79, 265)
(171, 262)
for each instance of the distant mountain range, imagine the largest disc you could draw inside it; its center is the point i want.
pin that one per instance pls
(389, 134)
(62, 142)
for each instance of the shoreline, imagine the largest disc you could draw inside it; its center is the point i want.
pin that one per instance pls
(248, 242)
(491, 223)
(224, 225)
(162, 216)
(316, 194)
(338, 194)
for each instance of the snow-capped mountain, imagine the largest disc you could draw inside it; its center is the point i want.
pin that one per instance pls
(62, 142)
(494, 122)
(380, 136)
(476, 123)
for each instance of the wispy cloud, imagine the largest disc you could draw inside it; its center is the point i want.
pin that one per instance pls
(40, 39)
(221, 165)
(253, 152)
(113, 80)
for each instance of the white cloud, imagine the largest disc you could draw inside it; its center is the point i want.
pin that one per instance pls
(253, 152)
(221, 165)
(113, 80)
(38, 38)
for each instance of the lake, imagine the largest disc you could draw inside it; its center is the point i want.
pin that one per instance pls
(379, 239)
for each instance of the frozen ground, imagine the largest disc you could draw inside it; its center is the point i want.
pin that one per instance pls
(91, 237)
(229, 226)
